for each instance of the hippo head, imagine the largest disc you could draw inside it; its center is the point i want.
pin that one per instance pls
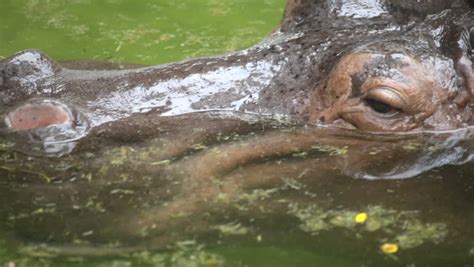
(401, 75)
(373, 65)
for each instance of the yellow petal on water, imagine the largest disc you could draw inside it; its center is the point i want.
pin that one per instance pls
(361, 217)
(389, 248)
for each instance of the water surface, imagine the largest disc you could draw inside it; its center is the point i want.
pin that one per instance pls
(220, 189)
(145, 32)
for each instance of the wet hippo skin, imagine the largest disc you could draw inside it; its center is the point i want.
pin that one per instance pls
(388, 66)
(391, 66)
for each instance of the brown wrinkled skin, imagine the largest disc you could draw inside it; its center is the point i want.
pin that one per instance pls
(416, 90)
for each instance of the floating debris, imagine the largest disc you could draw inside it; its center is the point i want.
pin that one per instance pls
(389, 248)
(416, 233)
(411, 147)
(258, 194)
(404, 227)
(122, 191)
(361, 217)
(166, 161)
(47, 179)
(119, 156)
(332, 150)
(292, 183)
(231, 229)
(198, 146)
(300, 155)
(88, 233)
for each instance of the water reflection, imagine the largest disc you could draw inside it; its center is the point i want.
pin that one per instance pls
(220, 180)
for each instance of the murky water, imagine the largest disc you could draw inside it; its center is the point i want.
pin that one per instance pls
(220, 191)
(223, 190)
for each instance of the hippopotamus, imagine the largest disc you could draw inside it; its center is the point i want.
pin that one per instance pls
(343, 88)
(385, 66)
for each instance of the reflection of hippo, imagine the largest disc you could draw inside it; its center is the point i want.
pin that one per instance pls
(398, 67)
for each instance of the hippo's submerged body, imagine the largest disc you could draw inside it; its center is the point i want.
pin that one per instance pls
(172, 152)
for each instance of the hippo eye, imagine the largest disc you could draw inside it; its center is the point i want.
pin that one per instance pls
(385, 101)
(379, 107)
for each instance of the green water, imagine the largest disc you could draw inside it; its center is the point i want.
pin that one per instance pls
(135, 31)
(82, 204)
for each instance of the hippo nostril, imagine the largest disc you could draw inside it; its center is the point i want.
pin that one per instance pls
(45, 127)
(39, 115)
